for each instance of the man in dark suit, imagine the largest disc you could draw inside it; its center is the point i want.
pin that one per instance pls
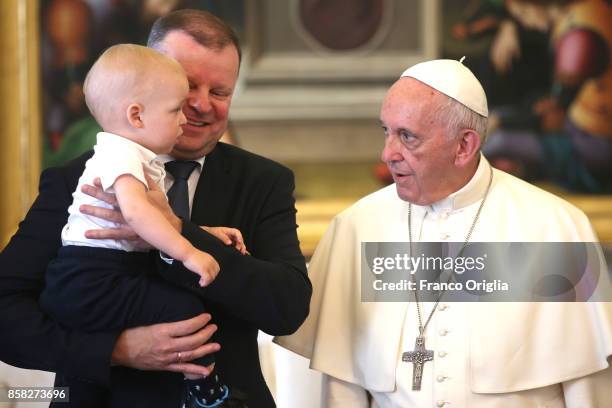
(268, 290)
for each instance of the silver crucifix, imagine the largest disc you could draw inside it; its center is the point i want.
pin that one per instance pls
(418, 358)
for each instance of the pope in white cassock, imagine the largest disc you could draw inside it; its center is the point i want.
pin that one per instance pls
(482, 354)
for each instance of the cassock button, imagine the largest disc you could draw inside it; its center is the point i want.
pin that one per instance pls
(444, 215)
(444, 236)
(442, 307)
(442, 353)
(443, 332)
(440, 378)
(440, 403)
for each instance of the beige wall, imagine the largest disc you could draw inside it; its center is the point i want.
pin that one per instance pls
(19, 112)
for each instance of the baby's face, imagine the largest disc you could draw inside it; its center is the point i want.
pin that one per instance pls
(163, 113)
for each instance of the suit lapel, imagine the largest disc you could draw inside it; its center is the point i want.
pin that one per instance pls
(212, 195)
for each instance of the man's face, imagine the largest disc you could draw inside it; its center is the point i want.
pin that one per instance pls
(212, 77)
(418, 151)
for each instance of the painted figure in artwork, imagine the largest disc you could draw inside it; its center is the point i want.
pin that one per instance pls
(573, 146)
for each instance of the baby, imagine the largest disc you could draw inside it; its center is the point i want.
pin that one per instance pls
(136, 94)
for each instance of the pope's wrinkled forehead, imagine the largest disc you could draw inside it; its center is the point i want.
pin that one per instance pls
(410, 93)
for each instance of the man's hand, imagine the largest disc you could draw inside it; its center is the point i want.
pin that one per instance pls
(229, 236)
(157, 347)
(124, 231)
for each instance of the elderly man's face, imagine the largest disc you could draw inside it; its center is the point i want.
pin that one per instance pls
(418, 151)
(212, 78)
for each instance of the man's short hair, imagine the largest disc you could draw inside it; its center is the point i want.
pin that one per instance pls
(205, 28)
(456, 116)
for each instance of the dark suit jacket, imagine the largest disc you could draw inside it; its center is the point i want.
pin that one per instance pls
(268, 290)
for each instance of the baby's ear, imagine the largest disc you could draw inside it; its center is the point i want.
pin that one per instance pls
(134, 115)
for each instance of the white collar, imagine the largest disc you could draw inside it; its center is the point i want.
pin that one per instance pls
(467, 195)
(113, 139)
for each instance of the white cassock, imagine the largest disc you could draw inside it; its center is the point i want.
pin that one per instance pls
(485, 354)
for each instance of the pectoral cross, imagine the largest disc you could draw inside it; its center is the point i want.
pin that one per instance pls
(418, 358)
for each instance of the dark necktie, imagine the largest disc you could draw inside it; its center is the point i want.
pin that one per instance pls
(178, 195)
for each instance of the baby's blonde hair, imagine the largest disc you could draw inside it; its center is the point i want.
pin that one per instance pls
(124, 74)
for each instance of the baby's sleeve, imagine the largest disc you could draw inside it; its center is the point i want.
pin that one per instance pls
(114, 164)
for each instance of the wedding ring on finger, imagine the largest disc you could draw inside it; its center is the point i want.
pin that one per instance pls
(178, 357)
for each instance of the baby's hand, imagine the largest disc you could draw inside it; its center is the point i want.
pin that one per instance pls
(229, 236)
(203, 264)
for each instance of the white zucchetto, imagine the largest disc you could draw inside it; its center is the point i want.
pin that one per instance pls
(453, 79)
